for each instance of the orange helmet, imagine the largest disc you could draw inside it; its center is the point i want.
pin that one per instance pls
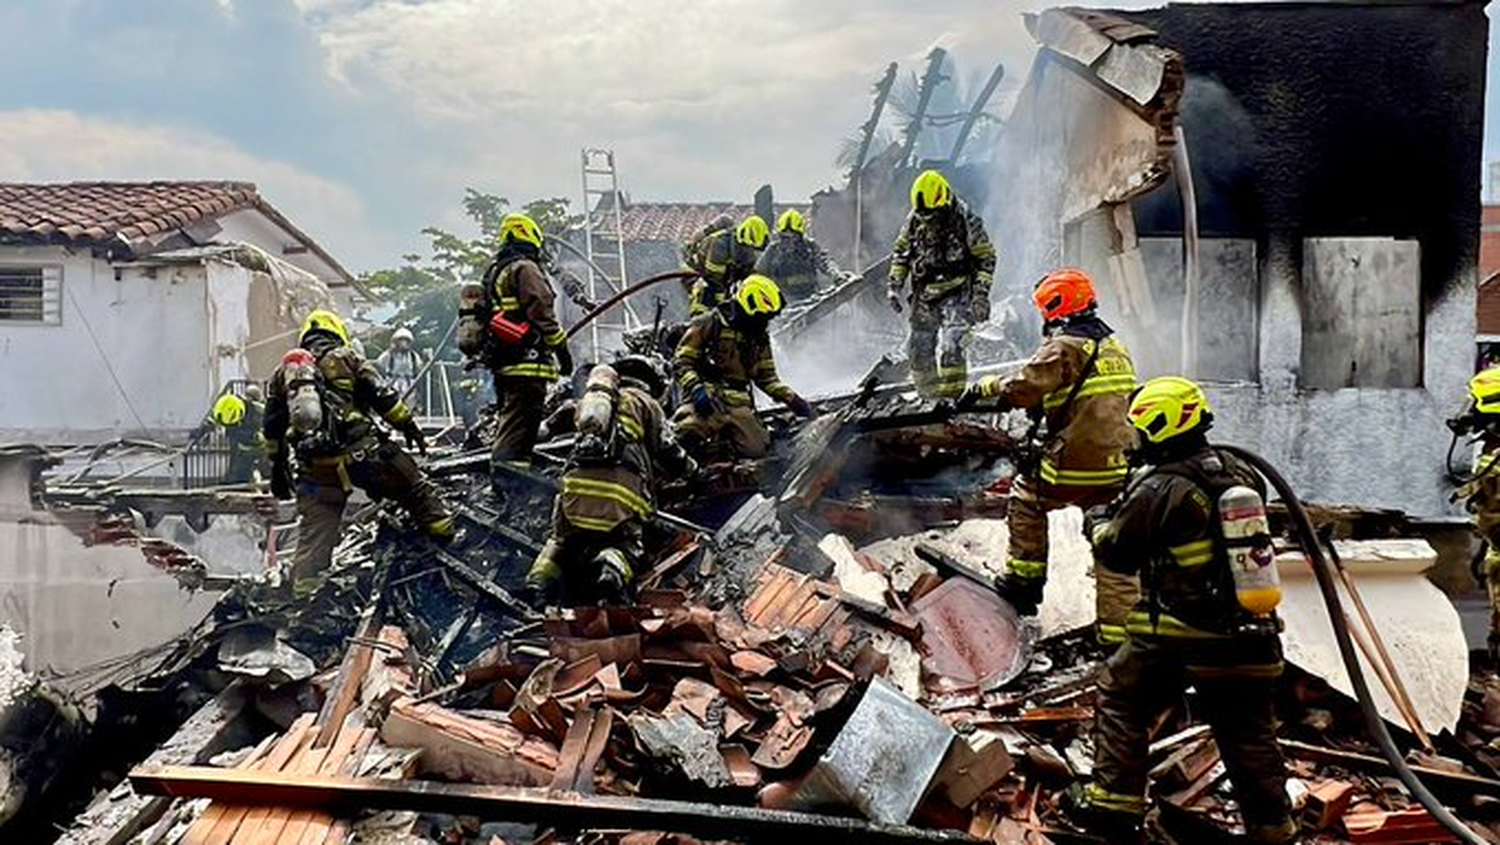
(1064, 293)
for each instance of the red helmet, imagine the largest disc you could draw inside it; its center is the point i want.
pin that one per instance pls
(1064, 293)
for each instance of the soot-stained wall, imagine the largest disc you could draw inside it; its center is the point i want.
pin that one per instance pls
(1314, 128)
(1332, 119)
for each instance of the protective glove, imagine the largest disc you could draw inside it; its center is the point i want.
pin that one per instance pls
(703, 401)
(415, 439)
(564, 359)
(894, 296)
(801, 407)
(969, 399)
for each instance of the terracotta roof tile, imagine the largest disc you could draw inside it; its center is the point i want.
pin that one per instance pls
(677, 221)
(72, 212)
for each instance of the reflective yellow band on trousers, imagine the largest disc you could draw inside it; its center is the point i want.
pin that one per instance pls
(1031, 569)
(1098, 798)
(1082, 477)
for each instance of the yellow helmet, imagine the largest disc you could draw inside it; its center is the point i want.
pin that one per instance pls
(229, 410)
(752, 232)
(758, 295)
(1167, 407)
(792, 220)
(1484, 389)
(324, 320)
(930, 190)
(519, 227)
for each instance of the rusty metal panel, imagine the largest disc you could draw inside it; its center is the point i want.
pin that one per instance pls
(971, 637)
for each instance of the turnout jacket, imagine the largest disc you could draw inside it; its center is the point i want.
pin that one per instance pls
(1165, 528)
(520, 290)
(603, 496)
(942, 254)
(352, 392)
(728, 360)
(1086, 441)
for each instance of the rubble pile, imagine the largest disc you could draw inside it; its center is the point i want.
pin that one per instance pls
(831, 662)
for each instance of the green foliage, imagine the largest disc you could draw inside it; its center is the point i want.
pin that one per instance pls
(424, 288)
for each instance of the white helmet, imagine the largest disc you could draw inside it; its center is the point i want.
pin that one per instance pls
(402, 333)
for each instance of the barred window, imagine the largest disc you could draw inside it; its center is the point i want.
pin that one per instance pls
(30, 295)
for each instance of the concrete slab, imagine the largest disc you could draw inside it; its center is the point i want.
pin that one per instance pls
(1420, 626)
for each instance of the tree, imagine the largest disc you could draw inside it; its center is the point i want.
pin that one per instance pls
(424, 289)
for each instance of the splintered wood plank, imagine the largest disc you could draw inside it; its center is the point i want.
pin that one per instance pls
(218, 824)
(262, 822)
(311, 827)
(326, 760)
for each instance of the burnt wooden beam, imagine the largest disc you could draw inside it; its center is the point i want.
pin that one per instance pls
(528, 806)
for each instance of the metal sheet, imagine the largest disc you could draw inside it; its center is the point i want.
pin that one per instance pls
(882, 762)
(1065, 34)
(1136, 72)
(971, 637)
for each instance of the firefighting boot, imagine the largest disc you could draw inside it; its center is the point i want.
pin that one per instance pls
(614, 577)
(1117, 827)
(1023, 594)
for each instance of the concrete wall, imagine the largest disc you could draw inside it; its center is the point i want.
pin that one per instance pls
(1363, 446)
(149, 326)
(252, 227)
(80, 605)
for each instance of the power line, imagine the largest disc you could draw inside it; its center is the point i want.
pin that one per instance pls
(113, 376)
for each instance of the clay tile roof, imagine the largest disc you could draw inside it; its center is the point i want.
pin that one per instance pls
(85, 212)
(677, 221)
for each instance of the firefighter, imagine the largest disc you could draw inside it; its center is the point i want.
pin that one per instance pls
(1198, 623)
(240, 419)
(721, 258)
(400, 363)
(1076, 387)
(525, 347)
(941, 266)
(1482, 491)
(622, 449)
(796, 262)
(722, 354)
(320, 420)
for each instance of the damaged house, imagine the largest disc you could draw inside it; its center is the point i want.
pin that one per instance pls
(169, 290)
(1327, 294)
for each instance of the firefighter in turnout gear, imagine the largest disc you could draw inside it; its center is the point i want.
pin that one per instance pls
(1481, 493)
(1192, 525)
(1076, 387)
(721, 355)
(320, 421)
(240, 418)
(721, 258)
(622, 449)
(941, 267)
(523, 344)
(796, 262)
(401, 363)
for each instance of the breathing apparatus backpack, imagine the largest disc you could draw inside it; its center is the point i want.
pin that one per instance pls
(597, 439)
(482, 326)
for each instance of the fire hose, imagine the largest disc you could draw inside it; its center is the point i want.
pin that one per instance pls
(624, 294)
(1327, 585)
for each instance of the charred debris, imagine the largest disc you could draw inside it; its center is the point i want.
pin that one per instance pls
(815, 651)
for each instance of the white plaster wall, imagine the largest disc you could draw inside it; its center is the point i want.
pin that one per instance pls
(78, 605)
(148, 325)
(1381, 448)
(228, 307)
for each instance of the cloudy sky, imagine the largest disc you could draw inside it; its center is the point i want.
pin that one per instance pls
(364, 120)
